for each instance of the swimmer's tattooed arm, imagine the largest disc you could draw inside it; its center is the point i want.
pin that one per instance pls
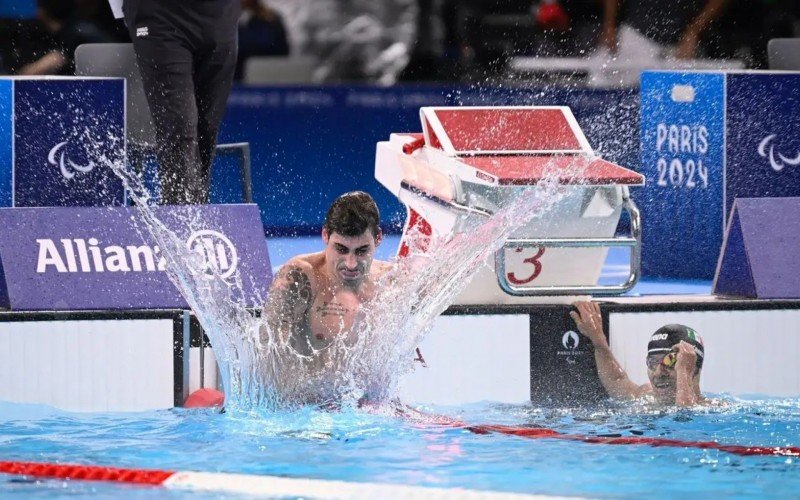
(290, 298)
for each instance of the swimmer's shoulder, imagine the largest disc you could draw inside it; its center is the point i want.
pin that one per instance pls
(381, 267)
(644, 390)
(307, 261)
(297, 267)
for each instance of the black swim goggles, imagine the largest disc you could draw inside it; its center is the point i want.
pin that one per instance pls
(669, 360)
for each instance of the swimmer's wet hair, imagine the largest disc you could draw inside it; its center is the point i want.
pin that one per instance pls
(353, 213)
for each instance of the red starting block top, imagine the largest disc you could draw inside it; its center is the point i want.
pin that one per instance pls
(567, 169)
(503, 130)
(520, 145)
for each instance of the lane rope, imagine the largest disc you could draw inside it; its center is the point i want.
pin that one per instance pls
(431, 419)
(539, 432)
(246, 484)
(543, 432)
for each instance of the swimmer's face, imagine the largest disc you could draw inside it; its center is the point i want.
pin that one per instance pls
(664, 381)
(662, 375)
(349, 258)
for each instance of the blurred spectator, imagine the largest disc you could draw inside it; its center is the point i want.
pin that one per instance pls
(23, 41)
(494, 30)
(749, 25)
(261, 33)
(65, 30)
(569, 28)
(99, 13)
(468, 39)
(427, 54)
(649, 28)
(353, 39)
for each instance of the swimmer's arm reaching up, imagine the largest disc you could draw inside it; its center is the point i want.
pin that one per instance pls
(688, 389)
(290, 297)
(613, 377)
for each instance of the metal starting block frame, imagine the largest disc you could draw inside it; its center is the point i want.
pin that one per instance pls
(468, 160)
(633, 242)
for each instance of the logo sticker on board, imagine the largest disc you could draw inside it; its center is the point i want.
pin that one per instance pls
(781, 161)
(218, 254)
(571, 341)
(58, 157)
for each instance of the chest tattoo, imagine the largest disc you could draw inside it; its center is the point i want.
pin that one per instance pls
(331, 309)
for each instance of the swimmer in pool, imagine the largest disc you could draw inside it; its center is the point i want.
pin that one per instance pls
(674, 361)
(316, 298)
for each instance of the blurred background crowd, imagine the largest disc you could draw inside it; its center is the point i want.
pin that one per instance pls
(394, 41)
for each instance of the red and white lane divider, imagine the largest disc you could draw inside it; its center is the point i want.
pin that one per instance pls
(430, 419)
(245, 484)
(540, 432)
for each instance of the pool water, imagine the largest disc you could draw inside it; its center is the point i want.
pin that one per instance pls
(353, 445)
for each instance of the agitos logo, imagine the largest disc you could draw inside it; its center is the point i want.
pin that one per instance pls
(781, 161)
(58, 157)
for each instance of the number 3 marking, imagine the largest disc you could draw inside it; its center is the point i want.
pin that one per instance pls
(537, 268)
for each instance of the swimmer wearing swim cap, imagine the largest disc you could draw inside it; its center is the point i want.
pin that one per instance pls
(674, 361)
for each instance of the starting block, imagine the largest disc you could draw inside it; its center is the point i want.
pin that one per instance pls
(470, 161)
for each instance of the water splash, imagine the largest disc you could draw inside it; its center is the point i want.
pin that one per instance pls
(260, 371)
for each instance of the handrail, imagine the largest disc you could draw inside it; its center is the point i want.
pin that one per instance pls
(406, 186)
(634, 242)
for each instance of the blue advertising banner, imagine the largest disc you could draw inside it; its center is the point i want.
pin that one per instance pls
(707, 139)
(683, 145)
(6, 141)
(18, 9)
(66, 131)
(310, 144)
(763, 136)
(81, 258)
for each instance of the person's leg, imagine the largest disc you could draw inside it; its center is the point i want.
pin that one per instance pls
(170, 94)
(215, 65)
(166, 65)
(213, 79)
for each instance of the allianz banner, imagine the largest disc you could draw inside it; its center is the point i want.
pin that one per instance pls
(102, 258)
(57, 137)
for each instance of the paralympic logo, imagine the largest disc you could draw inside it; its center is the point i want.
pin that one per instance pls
(570, 340)
(216, 251)
(781, 161)
(67, 166)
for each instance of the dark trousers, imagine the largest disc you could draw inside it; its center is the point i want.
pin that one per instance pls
(186, 53)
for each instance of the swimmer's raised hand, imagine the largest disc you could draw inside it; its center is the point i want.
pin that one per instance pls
(589, 322)
(687, 357)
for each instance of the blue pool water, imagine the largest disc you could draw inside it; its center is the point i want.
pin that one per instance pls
(355, 446)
